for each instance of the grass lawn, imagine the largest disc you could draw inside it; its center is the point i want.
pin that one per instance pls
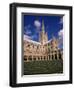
(43, 67)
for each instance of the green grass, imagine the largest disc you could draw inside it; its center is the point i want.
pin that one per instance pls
(43, 67)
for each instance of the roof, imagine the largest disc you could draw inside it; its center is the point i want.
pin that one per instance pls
(28, 39)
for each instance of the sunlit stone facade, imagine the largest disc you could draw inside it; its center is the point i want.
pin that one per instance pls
(42, 50)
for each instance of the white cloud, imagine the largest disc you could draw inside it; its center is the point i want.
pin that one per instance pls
(37, 23)
(60, 33)
(61, 20)
(28, 32)
(26, 37)
(26, 27)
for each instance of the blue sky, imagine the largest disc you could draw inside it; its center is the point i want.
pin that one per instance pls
(32, 25)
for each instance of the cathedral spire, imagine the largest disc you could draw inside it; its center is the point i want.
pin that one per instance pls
(43, 26)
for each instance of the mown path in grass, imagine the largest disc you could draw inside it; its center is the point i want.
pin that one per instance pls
(43, 67)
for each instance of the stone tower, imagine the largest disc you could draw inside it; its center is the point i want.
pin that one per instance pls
(54, 43)
(43, 38)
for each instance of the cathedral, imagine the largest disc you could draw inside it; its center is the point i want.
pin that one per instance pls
(43, 50)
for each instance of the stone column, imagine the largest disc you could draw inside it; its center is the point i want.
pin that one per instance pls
(37, 58)
(57, 55)
(46, 58)
(54, 56)
(27, 58)
(32, 58)
(40, 57)
(50, 57)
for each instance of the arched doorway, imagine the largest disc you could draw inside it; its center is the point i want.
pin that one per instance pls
(38, 58)
(25, 58)
(44, 58)
(30, 58)
(60, 57)
(34, 58)
(52, 57)
(55, 56)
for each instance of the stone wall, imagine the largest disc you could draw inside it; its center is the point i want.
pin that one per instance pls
(49, 51)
